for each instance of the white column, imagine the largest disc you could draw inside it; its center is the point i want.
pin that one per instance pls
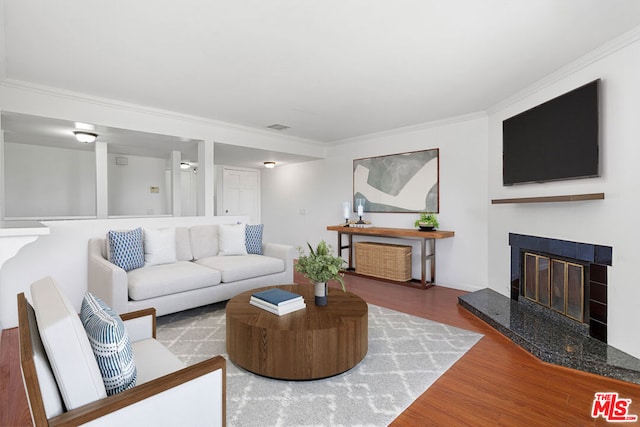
(102, 180)
(206, 180)
(2, 210)
(176, 188)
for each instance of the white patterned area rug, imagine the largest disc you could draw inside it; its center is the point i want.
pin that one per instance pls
(406, 355)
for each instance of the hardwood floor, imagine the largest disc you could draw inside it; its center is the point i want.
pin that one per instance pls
(495, 384)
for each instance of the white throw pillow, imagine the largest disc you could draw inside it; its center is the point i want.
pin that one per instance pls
(159, 246)
(231, 239)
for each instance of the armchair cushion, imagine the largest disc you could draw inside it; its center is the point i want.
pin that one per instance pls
(67, 346)
(126, 249)
(110, 343)
(154, 360)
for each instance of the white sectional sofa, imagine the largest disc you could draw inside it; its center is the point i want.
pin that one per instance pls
(206, 265)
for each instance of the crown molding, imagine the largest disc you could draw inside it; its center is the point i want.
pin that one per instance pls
(141, 109)
(411, 128)
(581, 63)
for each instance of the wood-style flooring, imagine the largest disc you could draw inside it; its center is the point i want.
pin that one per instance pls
(496, 383)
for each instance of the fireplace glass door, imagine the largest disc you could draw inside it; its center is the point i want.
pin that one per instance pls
(555, 283)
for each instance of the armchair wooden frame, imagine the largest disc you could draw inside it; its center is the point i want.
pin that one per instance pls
(109, 404)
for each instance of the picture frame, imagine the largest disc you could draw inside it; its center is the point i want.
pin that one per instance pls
(403, 182)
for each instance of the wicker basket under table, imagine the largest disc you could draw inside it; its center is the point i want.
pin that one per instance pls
(392, 262)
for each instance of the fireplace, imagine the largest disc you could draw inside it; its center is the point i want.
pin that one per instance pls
(542, 313)
(555, 283)
(568, 279)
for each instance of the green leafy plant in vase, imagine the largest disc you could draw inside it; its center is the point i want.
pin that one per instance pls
(427, 221)
(320, 266)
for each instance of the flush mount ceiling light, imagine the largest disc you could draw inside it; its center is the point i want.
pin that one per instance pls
(185, 165)
(85, 137)
(269, 165)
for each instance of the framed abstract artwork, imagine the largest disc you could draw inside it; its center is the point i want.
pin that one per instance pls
(405, 182)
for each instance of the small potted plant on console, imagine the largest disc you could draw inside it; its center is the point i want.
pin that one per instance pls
(427, 222)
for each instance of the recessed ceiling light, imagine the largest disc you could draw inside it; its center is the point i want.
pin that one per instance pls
(277, 126)
(85, 137)
(269, 165)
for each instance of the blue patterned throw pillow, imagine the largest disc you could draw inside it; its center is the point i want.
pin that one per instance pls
(110, 343)
(253, 238)
(126, 248)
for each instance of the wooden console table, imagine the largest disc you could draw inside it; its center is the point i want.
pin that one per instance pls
(399, 233)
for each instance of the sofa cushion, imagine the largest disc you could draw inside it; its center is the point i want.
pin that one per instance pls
(204, 240)
(234, 268)
(183, 245)
(231, 239)
(126, 248)
(166, 279)
(253, 238)
(159, 246)
(67, 346)
(111, 345)
(154, 360)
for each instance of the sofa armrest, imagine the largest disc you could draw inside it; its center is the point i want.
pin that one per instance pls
(285, 252)
(106, 280)
(277, 250)
(140, 324)
(185, 397)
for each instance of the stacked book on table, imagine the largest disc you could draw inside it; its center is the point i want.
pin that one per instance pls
(277, 301)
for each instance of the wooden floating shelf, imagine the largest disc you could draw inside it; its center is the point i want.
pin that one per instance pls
(549, 199)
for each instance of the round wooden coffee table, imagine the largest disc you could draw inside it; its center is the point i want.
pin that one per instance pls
(315, 342)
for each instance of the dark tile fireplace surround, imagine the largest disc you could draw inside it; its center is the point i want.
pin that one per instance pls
(546, 334)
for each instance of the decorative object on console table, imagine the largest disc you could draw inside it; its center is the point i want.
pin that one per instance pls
(346, 207)
(360, 205)
(360, 224)
(319, 267)
(427, 222)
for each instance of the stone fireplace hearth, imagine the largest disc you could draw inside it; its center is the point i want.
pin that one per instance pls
(577, 341)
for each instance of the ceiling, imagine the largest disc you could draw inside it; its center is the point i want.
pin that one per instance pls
(330, 69)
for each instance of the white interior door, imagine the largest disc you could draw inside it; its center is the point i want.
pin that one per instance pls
(241, 193)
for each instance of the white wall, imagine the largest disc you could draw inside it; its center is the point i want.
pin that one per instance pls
(610, 222)
(49, 181)
(130, 186)
(63, 255)
(299, 201)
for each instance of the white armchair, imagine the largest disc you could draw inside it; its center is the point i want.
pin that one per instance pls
(59, 372)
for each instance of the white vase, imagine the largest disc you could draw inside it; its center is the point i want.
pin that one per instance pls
(321, 291)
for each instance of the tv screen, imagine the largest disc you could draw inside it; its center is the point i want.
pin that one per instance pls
(554, 141)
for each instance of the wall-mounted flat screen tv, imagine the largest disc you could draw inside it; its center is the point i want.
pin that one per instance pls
(556, 140)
